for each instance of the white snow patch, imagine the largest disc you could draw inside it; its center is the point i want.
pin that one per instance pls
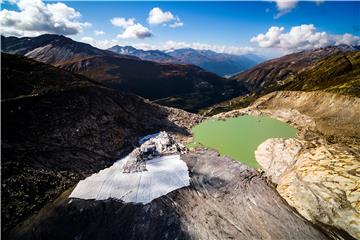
(164, 174)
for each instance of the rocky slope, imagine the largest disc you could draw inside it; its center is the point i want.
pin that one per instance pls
(58, 128)
(225, 200)
(316, 172)
(338, 73)
(190, 85)
(332, 69)
(269, 75)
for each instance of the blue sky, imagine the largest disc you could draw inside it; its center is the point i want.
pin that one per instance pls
(220, 25)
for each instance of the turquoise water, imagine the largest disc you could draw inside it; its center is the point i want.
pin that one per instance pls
(239, 137)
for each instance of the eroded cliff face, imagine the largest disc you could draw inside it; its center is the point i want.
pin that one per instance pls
(318, 171)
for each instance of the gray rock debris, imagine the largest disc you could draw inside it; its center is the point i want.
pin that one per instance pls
(154, 145)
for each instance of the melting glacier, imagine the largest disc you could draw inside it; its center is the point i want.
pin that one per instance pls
(163, 174)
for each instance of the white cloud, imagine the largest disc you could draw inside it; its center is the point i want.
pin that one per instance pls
(87, 39)
(99, 32)
(285, 6)
(300, 38)
(131, 28)
(135, 31)
(102, 44)
(158, 16)
(176, 24)
(35, 18)
(347, 39)
(270, 38)
(122, 22)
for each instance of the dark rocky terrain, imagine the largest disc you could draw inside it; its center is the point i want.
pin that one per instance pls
(159, 81)
(58, 127)
(190, 86)
(233, 202)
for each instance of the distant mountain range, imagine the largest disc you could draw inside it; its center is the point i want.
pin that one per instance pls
(220, 63)
(333, 69)
(150, 55)
(179, 85)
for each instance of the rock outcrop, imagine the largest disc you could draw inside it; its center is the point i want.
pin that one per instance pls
(318, 171)
(320, 181)
(152, 146)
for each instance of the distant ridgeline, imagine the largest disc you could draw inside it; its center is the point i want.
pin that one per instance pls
(332, 69)
(222, 64)
(179, 85)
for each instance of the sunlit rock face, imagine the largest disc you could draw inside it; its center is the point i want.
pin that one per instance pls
(320, 181)
(148, 172)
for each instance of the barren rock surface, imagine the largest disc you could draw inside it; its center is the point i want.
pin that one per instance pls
(321, 182)
(225, 200)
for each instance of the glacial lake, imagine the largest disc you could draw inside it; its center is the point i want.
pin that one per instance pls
(239, 137)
